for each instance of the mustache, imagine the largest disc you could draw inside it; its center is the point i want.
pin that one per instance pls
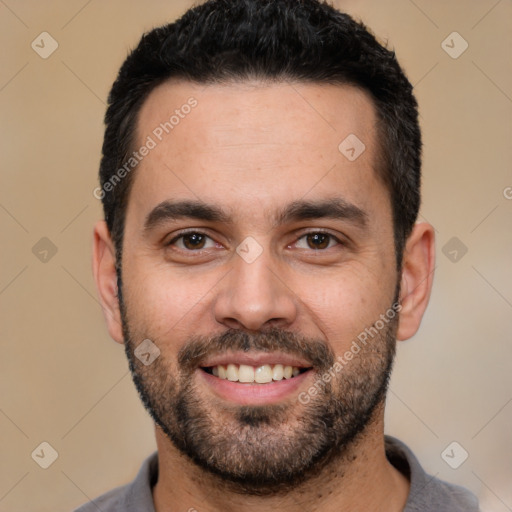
(316, 352)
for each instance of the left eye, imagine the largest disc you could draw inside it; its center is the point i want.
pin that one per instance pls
(318, 240)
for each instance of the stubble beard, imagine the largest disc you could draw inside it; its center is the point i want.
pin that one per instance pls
(265, 449)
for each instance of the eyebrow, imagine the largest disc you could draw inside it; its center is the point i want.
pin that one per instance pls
(335, 208)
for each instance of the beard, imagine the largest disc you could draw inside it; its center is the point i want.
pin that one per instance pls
(263, 449)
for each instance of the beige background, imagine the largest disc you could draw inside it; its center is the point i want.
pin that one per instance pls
(65, 382)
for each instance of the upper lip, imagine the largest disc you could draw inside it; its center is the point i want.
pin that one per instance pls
(255, 359)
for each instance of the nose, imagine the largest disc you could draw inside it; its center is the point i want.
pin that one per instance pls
(254, 296)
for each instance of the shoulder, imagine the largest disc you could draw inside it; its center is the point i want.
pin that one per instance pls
(109, 502)
(133, 497)
(428, 493)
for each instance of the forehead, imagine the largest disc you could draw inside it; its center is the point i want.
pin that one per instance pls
(251, 112)
(255, 145)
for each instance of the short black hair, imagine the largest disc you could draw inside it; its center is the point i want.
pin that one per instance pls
(222, 41)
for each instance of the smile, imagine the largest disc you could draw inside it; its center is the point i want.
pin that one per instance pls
(255, 378)
(248, 374)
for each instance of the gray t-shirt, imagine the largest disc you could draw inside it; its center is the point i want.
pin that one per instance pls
(427, 493)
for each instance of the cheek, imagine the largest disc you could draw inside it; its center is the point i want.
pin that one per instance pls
(163, 303)
(344, 305)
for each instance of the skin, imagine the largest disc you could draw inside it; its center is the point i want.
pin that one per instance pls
(251, 149)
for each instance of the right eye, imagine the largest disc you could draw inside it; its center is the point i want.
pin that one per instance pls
(191, 241)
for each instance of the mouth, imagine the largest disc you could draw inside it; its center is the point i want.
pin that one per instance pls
(255, 379)
(248, 374)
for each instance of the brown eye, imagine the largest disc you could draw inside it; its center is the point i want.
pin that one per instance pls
(191, 241)
(194, 241)
(318, 240)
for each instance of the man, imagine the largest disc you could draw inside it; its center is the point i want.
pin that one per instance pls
(259, 259)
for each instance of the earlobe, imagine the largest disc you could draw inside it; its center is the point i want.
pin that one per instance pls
(105, 276)
(417, 276)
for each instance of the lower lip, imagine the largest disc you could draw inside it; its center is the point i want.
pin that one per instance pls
(255, 394)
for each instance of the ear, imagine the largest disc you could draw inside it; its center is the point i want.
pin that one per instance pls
(104, 270)
(417, 275)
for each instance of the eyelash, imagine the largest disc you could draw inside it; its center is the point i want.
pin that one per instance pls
(196, 232)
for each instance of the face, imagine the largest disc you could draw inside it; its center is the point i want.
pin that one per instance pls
(255, 253)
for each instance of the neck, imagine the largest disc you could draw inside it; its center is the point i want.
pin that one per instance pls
(363, 480)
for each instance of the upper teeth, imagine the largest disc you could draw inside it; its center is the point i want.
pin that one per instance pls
(260, 374)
